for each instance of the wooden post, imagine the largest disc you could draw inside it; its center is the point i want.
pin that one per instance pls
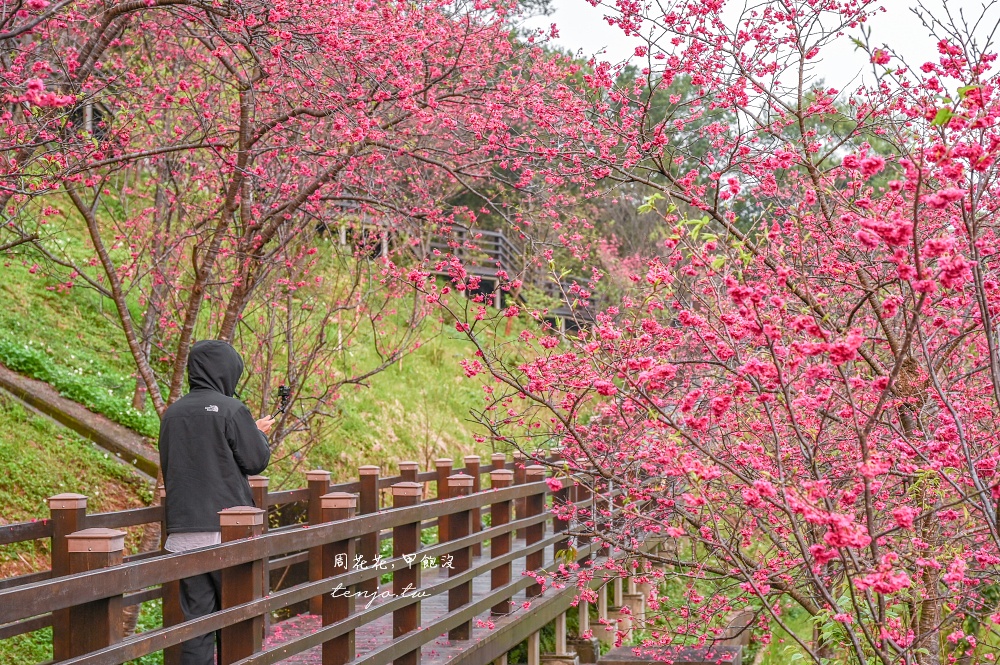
(500, 545)
(459, 526)
(319, 484)
(367, 505)
(499, 461)
(443, 468)
(405, 582)
(337, 560)
(241, 584)
(409, 471)
(472, 468)
(68, 513)
(97, 624)
(258, 486)
(534, 505)
(519, 466)
(172, 614)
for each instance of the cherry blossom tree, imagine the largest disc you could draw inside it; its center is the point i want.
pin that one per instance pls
(798, 395)
(202, 153)
(203, 146)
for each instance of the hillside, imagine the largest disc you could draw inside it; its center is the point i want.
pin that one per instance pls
(417, 409)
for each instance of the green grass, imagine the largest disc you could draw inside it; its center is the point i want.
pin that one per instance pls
(416, 409)
(39, 459)
(33, 647)
(70, 340)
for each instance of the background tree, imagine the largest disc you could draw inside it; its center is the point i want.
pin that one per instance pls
(799, 394)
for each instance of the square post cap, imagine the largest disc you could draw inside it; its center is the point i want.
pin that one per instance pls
(460, 480)
(409, 466)
(519, 456)
(258, 481)
(241, 516)
(502, 474)
(318, 474)
(499, 456)
(67, 501)
(368, 470)
(444, 461)
(535, 470)
(339, 500)
(96, 540)
(471, 459)
(407, 489)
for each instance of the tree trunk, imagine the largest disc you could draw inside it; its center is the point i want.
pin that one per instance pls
(139, 396)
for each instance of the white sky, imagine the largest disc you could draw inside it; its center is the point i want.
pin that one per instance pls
(582, 28)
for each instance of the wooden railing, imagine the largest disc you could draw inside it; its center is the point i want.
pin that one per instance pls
(90, 580)
(484, 253)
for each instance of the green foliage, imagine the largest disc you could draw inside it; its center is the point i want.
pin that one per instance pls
(29, 648)
(67, 340)
(150, 618)
(31, 444)
(83, 387)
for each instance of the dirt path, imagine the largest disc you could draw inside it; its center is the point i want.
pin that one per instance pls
(125, 444)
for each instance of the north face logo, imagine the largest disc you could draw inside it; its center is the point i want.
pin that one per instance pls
(212, 407)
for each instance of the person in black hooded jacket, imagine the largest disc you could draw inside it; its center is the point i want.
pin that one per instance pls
(209, 444)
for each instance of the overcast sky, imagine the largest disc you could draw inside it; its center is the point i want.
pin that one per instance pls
(582, 28)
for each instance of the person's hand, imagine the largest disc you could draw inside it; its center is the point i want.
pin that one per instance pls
(265, 424)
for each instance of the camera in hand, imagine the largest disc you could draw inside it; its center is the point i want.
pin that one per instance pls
(284, 394)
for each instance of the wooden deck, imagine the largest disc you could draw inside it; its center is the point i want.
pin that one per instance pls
(439, 650)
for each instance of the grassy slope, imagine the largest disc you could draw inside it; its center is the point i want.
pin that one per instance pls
(38, 459)
(416, 410)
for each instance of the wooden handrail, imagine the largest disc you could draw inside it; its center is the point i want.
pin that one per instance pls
(21, 531)
(155, 640)
(70, 590)
(39, 529)
(125, 518)
(31, 602)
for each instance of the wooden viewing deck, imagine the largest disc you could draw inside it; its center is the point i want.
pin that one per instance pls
(491, 536)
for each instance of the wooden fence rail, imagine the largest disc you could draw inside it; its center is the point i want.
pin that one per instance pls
(91, 581)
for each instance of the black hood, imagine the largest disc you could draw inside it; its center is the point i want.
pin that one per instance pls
(215, 365)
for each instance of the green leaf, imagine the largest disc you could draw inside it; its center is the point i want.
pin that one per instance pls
(649, 203)
(966, 89)
(718, 263)
(942, 117)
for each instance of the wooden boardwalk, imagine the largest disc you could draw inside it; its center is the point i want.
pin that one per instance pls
(437, 651)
